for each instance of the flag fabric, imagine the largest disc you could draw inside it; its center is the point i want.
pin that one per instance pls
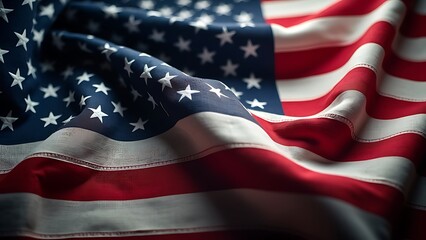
(238, 119)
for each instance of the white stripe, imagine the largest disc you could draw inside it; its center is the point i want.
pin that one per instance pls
(11, 155)
(349, 107)
(418, 197)
(312, 87)
(283, 9)
(334, 31)
(420, 7)
(396, 172)
(411, 49)
(369, 55)
(30, 215)
(402, 89)
(210, 132)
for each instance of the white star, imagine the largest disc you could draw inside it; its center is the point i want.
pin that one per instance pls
(256, 103)
(245, 19)
(111, 11)
(22, 39)
(4, 11)
(132, 24)
(147, 4)
(51, 119)
(8, 121)
(252, 81)
(157, 36)
(225, 86)
(139, 125)
(165, 81)
(101, 88)
(135, 94)
(166, 11)
(29, 2)
(2, 52)
(30, 104)
(229, 68)
(236, 93)
(144, 55)
(183, 45)
(146, 73)
(83, 100)
(187, 93)
(225, 36)
(206, 56)
(206, 18)
(174, 19)
(47, 66)
(184, 14)
(68, 119)
(69, 71)
(85, 77)
(31, 70)
(127, 65)
(118, 108)
(153, 14)
(38, 36)
(108, 50)
(215, 91)
(17, 79)
(223, 9)
(50, 91)
(249, 49)
(202, 5)
(151, 99)
(48, 11)
(97, 113)
(198, 25)
(70, 98)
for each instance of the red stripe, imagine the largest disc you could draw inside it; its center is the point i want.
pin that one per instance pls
(363, 80)
(288, 21)
(414, 25)
(399, 67)
(305, 63)
(332, 140)
(413, 224)
(236, 168)
(341, 8)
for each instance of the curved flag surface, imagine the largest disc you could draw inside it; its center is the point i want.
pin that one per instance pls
(231, 119)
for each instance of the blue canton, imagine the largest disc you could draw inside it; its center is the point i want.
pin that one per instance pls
(130, 69)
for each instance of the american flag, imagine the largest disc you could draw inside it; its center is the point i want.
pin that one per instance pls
(230, 119)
